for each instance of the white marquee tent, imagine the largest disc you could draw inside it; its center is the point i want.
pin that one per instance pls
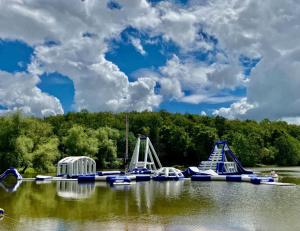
(74, 166)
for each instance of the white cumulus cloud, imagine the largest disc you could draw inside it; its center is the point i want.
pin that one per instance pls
(80, 32)
(267, 30)
(19, 92)
(235, 110)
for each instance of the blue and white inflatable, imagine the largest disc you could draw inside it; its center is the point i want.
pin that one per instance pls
(11, 172)
(221, 161)
(168, 173)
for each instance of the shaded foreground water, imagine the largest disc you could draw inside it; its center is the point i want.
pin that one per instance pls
(181, 205)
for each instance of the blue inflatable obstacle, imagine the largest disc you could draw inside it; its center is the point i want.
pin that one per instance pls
(83, 179)
(223, 161)
(140, 171)
(11, 172)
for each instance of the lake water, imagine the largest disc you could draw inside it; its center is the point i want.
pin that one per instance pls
(181, 205)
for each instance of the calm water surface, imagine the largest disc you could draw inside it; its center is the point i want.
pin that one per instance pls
(181, 205)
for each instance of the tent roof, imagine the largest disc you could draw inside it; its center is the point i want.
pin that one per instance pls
(72, 159)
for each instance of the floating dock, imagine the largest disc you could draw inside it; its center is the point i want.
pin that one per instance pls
(232, 178)
(109, 177)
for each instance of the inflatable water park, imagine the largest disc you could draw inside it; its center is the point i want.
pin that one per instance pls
(222, 165)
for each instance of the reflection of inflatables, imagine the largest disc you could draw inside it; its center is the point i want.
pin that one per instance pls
(146, 194)
(11, 188)
(74, 190)
(1, 214)
(118, 180)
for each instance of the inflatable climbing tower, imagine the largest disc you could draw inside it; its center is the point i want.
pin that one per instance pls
(223, 161)
(144, 155)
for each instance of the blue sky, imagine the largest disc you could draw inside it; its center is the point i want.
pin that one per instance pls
(213, 57)
(14, 56)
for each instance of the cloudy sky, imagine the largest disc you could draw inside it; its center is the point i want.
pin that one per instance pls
(238, 59)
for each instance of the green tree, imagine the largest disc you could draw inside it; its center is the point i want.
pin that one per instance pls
(81, 141)
(268, 155)
(220, 124)
(288, 150)
(175, 144)
(247, 148)
(45, 155)
(202, 138)
(24, 148)
(107, 147)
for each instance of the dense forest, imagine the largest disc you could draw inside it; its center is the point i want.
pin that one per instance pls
(34, 144)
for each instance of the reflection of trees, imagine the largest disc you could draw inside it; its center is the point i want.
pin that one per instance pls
(101, 201)
(286, 179)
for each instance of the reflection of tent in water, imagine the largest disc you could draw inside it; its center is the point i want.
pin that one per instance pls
(73, 190)
(144, 156)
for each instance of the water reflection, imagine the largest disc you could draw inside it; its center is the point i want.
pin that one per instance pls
(73, 190)
(10, 187)
(181, 205)
(146, 193)
(143, 193)
(170, 188)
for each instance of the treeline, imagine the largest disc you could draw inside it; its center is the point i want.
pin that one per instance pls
(180, 139)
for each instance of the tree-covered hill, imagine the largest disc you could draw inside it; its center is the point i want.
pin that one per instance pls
(180, 139)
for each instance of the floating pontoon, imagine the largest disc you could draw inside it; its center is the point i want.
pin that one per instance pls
(74, 166)
(94, 178)
(144, 159)
(109, 173)
(232, 178)
(43, 178)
